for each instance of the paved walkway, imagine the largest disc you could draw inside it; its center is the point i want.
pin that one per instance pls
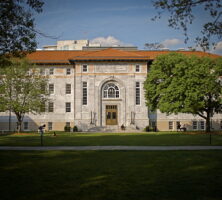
(112, 148)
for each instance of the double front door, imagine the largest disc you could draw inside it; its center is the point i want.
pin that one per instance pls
(111, 115)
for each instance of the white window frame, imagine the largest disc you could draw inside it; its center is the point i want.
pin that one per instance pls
(68, 71)
(50, 126)
(137, 93)
(194, 125)
(51, 105)
(137, 69)
(26, 126)
(51, 88)
(202, 125)
(84, 69)
(51, 71)
(114, 87)
(42, 71)
(68, 89)
(68, 108)
(170, 125)
(84, 93)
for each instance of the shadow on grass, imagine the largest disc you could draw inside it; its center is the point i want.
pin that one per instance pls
(111, 175)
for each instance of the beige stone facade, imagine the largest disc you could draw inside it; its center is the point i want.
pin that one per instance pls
(100, 90)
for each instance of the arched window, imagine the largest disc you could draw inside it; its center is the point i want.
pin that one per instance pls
(110, 91)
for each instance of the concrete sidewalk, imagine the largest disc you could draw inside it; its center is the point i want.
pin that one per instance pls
(111, 148)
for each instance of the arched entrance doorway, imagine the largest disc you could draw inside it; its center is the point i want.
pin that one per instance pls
(112, 103)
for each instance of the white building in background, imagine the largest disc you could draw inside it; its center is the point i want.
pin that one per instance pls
(101, 89)
(69, 45)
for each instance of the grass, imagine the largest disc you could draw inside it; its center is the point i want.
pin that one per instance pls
(118, 175)
(131, 139)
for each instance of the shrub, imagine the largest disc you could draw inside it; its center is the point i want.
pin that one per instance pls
(75, 129)
(123, 127)
(67, 128)
(147, 129)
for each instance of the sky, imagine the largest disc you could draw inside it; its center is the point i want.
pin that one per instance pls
(123, 22)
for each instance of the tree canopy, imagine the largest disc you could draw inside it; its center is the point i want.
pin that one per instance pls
(182, 14)
(22, 89)
(154, 46)
(17, 28)
(185, 84)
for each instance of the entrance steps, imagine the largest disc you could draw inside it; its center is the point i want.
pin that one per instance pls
(113, 129)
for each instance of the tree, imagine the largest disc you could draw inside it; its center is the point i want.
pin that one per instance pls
(22, 90)
(17, 31)
(154, 46)
(185, 84)
(182, 14)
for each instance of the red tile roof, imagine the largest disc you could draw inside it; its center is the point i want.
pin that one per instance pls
(63, 57)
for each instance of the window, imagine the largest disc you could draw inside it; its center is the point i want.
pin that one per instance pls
(110, 91)
(137, 68)
(42, 71)
(51, 107)
(170, 125)
(68, 71)
(51, 71)
(153, 124)
(26, 125)
(51, 88)
(202, 125)
(68, 107)
(84, 93)
(49, 126)
(84, 68)
(220, 124)
(137, 93)
(66, 47)
(68, 88)
(67, 124)
(194, 125)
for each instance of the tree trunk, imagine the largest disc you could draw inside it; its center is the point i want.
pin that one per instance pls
(208, 122)
(19, 123)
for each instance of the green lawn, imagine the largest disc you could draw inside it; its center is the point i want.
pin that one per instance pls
(110, 175)
(131, 139)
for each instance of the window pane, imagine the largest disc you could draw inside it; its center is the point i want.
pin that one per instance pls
(51, 88)
(84, 68)
(26, 125)
(194, 125)
(51, 107)
(137, 93)
(51, 71)
(111, 91)
(68, 71)
(137, 68)
(49, 126)
(170, 125)
(108, 116)
(117, 94)
(68, 107)
(84, 93)
(114, 115)
(68, 88)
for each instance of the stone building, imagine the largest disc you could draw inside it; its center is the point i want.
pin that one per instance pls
(101, 90)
